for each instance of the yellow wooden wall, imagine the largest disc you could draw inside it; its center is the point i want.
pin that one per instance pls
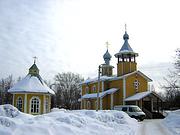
(15, 99)
(29, 96)
(126, 67)
(130, 89)
(118, 96)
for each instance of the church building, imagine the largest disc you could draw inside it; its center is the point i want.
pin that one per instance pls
(31, 95)
(128, 87)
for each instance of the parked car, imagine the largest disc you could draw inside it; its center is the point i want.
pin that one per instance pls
(132, 110)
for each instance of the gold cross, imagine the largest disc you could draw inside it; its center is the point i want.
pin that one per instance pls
(125, 27)
(107, 44)
(35, 58)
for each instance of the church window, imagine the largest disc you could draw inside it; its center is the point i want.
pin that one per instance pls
(84, 104)
(87, 89)
(35, 105)
(19, 103)
(94, 88)
(88, 105)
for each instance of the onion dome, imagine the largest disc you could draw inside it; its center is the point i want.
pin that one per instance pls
(107, 57)
(126, 49)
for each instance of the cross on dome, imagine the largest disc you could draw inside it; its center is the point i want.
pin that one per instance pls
(107, 44)
(35, 58)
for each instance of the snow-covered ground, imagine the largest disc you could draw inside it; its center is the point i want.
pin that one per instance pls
(65, 122)
(172, 122)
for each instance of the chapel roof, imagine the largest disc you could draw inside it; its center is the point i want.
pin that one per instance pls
(32, 83)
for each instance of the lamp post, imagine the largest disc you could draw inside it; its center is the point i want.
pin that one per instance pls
(99, 72)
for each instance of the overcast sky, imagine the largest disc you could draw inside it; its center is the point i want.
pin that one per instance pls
(70, 35)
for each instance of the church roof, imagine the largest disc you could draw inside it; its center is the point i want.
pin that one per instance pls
(101, 94)
(138, 96)
(31, 84)
(126, 48)
(111, 78)
(107, 55)
(141, 95)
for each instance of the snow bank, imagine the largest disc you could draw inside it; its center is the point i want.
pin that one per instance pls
(172, 122)
(65, 122)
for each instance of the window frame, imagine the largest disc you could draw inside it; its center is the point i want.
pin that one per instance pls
(94, 88)
(87, 90)
(37, 108)
(19, 104)
(88, 105)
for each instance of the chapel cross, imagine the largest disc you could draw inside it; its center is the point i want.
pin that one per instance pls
(125, 27)
(35, 58)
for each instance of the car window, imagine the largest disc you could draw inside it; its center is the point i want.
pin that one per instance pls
(130, 109)
(124, 109)
(134, 109)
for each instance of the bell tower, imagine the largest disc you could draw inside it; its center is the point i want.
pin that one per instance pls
(126, 58)
(107, 69)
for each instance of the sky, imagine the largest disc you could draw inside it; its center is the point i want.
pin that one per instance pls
(70, 35)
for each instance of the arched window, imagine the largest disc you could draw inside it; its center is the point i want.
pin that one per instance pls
(88, 105)
(19, 103)
(87, 89)
(94, 88)
(35, 105)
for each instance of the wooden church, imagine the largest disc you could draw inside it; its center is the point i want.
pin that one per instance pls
(31, 95)
(128, 87)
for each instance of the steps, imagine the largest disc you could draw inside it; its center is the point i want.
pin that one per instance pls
(153, 115)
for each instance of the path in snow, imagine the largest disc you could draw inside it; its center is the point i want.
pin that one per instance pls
(152, 127)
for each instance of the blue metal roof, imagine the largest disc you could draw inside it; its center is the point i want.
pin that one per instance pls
(126, 48)
(107, 57)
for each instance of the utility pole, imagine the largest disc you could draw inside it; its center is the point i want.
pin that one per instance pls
(99, 72)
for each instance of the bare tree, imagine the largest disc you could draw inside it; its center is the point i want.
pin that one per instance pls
(5, 84)
(68, 90)
(172, 86)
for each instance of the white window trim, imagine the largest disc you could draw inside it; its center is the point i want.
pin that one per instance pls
(39, 105)
(17, 103)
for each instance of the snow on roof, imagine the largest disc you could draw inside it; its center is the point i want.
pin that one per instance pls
(102, 78)
(138, 96)
(141, 95)
(31, 84)
(101, 94)
(107, 78)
